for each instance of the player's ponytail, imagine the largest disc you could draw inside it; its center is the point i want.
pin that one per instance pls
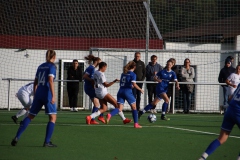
(92, 59)
(50, 54)
(129, 66)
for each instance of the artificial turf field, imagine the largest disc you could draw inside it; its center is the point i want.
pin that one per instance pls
(184, 137)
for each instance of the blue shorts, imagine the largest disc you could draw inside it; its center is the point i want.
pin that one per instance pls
(231, 117)
(125, 94)
(37, 104)
(160, 91)
(90, 92)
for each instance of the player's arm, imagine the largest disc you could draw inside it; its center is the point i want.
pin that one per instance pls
(51, 85)
(230, 84)
(86, 77)
(157, 77)
(177, 84)
(137, 87)
(106, 84)
(35, 86)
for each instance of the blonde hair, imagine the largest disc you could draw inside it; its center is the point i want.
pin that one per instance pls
(50, 54)
(91, 58)
(129, 66)
(170, 60)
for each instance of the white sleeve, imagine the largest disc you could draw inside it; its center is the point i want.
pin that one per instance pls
(103, 78)
(231, 77)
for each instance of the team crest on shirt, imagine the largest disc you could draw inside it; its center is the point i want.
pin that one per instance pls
(170, 75)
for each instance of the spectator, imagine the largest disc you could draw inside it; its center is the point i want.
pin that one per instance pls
(188, 74)
(223, 75)
(231, 58)
(232, 81)
(74, 73)
(140, 72)
(151, 70)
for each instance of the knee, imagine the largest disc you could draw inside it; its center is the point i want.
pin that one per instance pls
(52, 118)
(31, 116)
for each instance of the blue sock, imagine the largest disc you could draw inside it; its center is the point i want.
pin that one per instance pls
(164, 108)
(95, 109)
(135, 116)
(148, 107)
(114, 112)
(23, 126)
(49, 131)
(213, 146)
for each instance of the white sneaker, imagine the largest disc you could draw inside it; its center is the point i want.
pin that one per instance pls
(153, 111)
(71, 109)
(75, 109)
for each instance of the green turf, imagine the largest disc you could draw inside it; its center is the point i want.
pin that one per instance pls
(76, 140)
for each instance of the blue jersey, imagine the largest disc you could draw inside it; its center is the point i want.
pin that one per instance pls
(166, 77)
(127, 79)
(43, 72)
(90, 70)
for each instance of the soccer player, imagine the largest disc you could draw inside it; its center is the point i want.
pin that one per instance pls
(89, 85)
(163, 78)
(43, 95)
(128, 79)
(233, 80)
(102, 94)
(24, 96)
(231, 117)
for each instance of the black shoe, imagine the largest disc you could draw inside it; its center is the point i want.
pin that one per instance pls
(140, 113)
(163, 117)
(49, 144)
(14, 118)
(14, 141)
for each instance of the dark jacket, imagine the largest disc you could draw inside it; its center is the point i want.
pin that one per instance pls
(150, 69)
(74, 75)
(225, 73)
(140, 70)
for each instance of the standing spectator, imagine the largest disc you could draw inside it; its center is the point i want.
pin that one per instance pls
(140, 72)
(188, 74)
(232, 81)
(231, 58)
(74, 73)
(151, 70)
(223, 75)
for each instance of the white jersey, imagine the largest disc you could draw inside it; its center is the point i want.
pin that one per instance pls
(99, 79)
(24, 94)
(235, 80)
(28, 88)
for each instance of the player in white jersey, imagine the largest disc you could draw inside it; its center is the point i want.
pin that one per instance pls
(100, 85)
(24, 96)
(233, 80)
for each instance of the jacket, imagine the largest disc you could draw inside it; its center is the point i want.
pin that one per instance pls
(140, 70)
(224, 73)
(74, 75)
(151, 69)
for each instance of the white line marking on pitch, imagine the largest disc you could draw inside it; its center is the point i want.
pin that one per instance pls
(84, 125)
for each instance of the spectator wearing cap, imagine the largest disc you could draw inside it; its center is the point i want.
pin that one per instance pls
(223, 75)
(231, 58)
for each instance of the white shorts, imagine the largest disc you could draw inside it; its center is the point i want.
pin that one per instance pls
(231, 90)
(24, 98)
(101, 95)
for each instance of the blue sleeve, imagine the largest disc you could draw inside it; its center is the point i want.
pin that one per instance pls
(36, 76)
(174, 76)
(89, 70)
(159, 74)
(52, 71)
(134, 77)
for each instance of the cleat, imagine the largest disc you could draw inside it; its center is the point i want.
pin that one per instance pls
(140, 113)
(93, 122)
(153, 111)
(108, 117)
(49, 144)
(88, 120)
(75, 110)
(101, 118)
(136, 125)
(14, 118)
(127, 121)
(71, 109)
(14, 141)
(163, 117)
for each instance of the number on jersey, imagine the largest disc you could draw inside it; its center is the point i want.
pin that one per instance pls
(123, 81)
(41, 78)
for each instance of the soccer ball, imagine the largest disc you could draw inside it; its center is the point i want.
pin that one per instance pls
(152, 118)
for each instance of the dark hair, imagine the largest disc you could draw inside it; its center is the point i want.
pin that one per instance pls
(173, 60)
(129, 66)
(186, 60)
(236, 68)
(230, 57)
(75, 60)
(137, 53)
(50, 54)
(153, 56)
(91, 58)
(102, 64)
(170, 60)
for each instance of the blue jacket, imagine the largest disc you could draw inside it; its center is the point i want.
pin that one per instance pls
(151, 69)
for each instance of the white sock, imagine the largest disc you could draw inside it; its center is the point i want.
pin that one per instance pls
(238, 158)
(163, 113)
(21, 113)
(121, 115)
(95, 114)
(204, 156)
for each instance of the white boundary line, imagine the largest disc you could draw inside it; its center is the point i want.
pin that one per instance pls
(128, 126)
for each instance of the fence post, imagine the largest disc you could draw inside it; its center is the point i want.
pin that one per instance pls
(173, 98)
(9, 87)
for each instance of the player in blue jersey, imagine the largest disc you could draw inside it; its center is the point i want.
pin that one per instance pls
(231, 117)
(43, 95)
(163, 78)
(89, 85)
(127, 81)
